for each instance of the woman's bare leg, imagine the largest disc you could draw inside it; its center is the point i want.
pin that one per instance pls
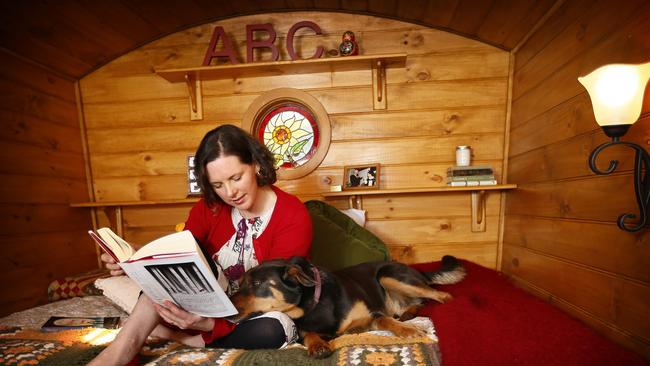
(164, 332)
(143, 319)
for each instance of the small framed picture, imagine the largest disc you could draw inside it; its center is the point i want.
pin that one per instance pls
(361, 177)
(192, 181)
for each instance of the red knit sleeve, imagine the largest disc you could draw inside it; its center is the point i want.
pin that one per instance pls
(221, 328)
(293, 237)
(197, 221)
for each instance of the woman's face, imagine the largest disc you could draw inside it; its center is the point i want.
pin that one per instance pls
(235, 183)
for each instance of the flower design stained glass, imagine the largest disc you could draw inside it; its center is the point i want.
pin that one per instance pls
(294, 126)
(290, 132)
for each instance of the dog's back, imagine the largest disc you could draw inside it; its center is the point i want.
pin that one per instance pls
(351, 298)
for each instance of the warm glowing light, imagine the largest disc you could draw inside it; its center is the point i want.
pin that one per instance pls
(100, 336)
(616, 92)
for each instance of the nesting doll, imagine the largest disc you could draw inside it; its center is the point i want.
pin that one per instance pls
(348, 46)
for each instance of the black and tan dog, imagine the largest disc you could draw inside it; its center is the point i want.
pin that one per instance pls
(324, 304)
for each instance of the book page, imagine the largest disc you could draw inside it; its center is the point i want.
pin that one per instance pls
(185, 280)
(179, 242)
(102, 244)
(122, 249)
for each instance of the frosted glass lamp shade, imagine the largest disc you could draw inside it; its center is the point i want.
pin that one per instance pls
(616, 92)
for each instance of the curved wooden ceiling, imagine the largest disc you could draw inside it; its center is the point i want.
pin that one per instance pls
(76, 37)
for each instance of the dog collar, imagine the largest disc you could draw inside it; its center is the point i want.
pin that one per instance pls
(318, 285)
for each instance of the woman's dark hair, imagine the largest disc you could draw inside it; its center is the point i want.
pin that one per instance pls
(229, 140)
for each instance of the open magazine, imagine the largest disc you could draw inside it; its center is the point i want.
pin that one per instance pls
(172, 267)
(57, 323)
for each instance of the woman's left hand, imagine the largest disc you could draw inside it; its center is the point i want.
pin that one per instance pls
(174, 315)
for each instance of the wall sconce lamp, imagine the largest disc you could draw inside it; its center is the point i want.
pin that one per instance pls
(616, 93)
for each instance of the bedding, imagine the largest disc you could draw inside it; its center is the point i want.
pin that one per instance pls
(21, 346)
(77, 307)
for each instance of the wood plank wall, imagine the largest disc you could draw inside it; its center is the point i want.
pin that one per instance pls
(560, 239)
(42, 171)
(452, 92)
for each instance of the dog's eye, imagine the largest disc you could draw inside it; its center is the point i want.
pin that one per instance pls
(256, 283)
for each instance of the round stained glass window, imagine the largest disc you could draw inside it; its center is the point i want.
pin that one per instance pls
(290, 132)
(294, 126)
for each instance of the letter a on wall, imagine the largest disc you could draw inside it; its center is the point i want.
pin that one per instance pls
(226, 51)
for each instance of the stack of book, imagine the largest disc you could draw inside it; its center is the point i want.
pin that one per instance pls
(478, 175)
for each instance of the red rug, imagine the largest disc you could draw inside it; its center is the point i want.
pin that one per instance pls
(491, 322)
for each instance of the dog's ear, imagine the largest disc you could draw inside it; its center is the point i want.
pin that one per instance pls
(294, 274)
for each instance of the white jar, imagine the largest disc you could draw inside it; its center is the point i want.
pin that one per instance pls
(463, 155)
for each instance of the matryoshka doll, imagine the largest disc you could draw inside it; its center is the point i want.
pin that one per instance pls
(348, 46)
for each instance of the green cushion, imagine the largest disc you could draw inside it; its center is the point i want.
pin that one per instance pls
(339, 241)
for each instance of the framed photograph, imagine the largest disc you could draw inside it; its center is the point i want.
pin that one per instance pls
(361, 177)
(192, 181)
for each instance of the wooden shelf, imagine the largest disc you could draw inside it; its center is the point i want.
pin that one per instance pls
(194, 76)
(134, 203)
(116, 209)
(477, 197)
(255, 69)
(498, 187)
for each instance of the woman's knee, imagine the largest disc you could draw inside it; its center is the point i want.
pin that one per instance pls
(288, 327)
(261, 332)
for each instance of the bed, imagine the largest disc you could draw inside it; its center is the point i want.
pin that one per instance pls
(23, 343)
(489, 322)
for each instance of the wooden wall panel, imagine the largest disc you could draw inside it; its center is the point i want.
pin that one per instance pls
(560, 237)
(617, 301)
(452, 92)
(42, 172)
(629, 41)
(598, 245)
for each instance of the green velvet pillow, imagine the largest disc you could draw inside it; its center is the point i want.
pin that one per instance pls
(339, 241)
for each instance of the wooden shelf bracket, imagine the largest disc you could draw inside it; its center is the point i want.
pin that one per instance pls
(379, 84)
(478, 211)
(196, 97)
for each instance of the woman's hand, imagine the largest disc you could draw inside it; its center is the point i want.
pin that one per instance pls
(174, 315)
(109, 262)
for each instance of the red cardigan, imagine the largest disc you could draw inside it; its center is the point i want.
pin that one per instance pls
(288, 233)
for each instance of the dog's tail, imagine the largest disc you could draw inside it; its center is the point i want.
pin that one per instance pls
(452, 271)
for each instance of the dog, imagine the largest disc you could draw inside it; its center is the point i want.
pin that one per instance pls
(325, 304)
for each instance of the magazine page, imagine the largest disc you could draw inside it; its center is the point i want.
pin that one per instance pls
(57, 323)
(183, 279)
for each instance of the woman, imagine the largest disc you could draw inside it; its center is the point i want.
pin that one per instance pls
(241, 220)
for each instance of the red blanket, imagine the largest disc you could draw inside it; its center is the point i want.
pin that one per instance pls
(491, 322)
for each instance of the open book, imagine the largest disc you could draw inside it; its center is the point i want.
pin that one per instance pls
(172, 267)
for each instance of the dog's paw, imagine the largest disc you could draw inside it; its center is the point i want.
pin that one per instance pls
(320, 350)
(443, 297)
(408, 331)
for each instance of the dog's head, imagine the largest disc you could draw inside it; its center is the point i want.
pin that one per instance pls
(276, 285)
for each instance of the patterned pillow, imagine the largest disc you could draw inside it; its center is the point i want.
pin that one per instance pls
(78, 285)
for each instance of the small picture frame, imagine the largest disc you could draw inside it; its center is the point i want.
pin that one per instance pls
(361, 177)
(192, 181)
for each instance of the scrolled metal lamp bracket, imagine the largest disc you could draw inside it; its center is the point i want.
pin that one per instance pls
(641, 181)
